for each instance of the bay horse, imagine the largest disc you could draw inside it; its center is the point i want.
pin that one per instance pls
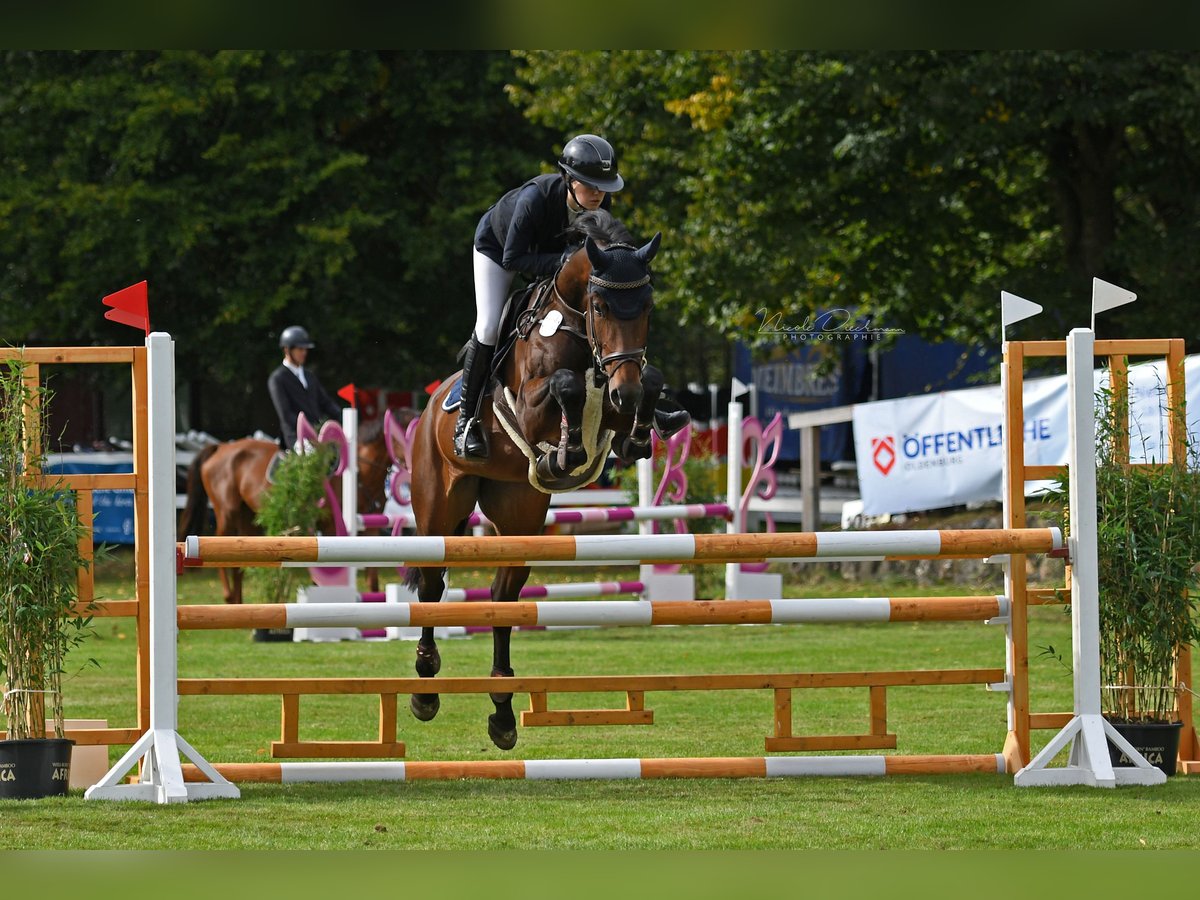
(574, 384)
(232, 476)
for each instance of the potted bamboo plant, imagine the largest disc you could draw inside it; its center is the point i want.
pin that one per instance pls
(1148, 520)
(291, 507)
(40, 535)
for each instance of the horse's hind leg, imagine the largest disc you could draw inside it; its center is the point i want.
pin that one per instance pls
(502, 724)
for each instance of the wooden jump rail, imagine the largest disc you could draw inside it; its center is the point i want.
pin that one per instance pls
(540, 688)
(674, 548)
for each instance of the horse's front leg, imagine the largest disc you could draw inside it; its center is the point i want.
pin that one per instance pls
(502, 725)
(635, 444)
(430, 584)
(569, 391)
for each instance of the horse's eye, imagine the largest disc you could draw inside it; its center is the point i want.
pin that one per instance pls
(599, 309)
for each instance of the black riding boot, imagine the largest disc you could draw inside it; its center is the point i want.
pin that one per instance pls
(469, 441)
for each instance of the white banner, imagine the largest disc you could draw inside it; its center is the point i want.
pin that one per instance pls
(946, 449)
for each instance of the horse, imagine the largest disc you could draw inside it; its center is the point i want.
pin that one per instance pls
(574, 383)
(232, 477)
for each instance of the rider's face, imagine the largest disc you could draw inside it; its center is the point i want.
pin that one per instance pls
(297, 355)
(588, 196)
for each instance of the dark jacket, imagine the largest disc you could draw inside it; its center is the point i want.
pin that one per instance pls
(291, 398)
(523, 232)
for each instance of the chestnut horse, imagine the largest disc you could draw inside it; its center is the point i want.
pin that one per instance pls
(233, 476)
(574, 384)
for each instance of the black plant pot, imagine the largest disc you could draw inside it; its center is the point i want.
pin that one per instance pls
(1157, 741)
(39, 767)
(272, 635)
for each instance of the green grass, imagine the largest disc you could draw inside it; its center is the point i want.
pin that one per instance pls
(975, 811)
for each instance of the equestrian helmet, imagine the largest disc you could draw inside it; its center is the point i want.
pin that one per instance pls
(592, 160)
(295, 336)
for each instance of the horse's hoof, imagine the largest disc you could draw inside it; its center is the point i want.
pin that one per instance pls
(424, 706)
(504, 738)
(429, 661)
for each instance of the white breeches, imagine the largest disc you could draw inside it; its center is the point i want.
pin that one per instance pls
(492, 282)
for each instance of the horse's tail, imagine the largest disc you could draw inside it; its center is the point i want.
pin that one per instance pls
(196, 510)
(412, 580)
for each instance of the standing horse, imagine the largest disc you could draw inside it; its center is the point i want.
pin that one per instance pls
(233, 477)
(575, 383)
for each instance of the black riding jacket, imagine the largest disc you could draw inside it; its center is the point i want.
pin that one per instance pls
(523, 231)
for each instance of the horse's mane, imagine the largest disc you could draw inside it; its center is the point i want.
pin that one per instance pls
(600, 225)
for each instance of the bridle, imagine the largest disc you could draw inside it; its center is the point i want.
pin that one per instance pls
(588, 334)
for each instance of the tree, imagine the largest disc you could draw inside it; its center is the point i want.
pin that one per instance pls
(906, 187)
(255, 190)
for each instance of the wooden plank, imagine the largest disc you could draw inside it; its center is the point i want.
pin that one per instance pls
(702, 612)
(583, 683)
(106, 609)
(1047, 596)
(85, 579)
(1041, 348)
(783, 712)
(70, 355)
(635, 700)
(1134, 347)
(878, 718)
(258, 615)
(1017, 639)
(289, 719)
(1041, 473)
(537, 701)
(831, 742)
(588, 717)
(1049, 720)
(98, 481)
(387, 718)
(97, 737)
(335, 749)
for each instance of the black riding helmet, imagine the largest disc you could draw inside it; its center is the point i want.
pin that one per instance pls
(592, 160)
(295, 336)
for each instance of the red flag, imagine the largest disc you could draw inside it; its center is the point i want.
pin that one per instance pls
(348, 393)
(129, 307)
(432, 386)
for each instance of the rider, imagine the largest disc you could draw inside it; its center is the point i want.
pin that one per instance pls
(525, 232)
(295, 389)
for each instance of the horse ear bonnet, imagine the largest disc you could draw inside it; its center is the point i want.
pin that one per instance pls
(621, 275)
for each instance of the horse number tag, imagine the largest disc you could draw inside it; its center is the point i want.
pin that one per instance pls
(550, 323)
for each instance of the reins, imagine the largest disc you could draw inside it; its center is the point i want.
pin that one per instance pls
(588, 334)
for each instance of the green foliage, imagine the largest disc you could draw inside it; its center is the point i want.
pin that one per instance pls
(290, 509)
(40, 534)
(1148, 519)
(255, 189)
(905, 186)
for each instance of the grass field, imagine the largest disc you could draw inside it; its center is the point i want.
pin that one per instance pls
(970, 811)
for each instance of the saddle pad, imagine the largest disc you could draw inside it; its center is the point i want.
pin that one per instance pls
(452, 399)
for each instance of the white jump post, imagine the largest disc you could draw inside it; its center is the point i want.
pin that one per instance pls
(159, 749)
(1088, 762)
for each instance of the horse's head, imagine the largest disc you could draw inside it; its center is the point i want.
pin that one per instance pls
(617, 299)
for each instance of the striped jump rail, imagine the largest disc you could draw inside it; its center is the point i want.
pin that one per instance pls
(599, 514)
(592, 549)
(548, 591)
(607, 769)
(594, 612)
